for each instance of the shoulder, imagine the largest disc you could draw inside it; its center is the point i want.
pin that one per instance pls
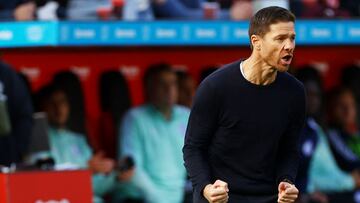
(136, 114)
(292, 83)
(6, 71)
(181, 111)
(76, 136)
(221, 76)
(223, 71)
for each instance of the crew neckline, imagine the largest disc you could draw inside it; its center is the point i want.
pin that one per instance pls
(241, 70)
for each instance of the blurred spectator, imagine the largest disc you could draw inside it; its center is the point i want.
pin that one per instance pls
(70, 149)
(319, 178)
(343, 132)
(20, 10)
(323, 9)
(51, 9)
(15, 116)
(114, 101)
(350, 78)
(138, 10)
(188, 10)
(186, 88)
(324, 174)
(153, 134)
(352, 6)
(71, 85)
(95, 9)
(309, 134)
(241, 10)
(260, 4)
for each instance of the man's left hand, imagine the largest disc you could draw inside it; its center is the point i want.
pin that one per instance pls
(287, 192)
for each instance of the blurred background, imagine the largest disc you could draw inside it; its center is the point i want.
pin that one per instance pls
(79, 80)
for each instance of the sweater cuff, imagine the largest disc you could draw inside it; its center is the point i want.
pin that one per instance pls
(285, 178)
(198, 193)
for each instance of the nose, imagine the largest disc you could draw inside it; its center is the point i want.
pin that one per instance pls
(289, 45)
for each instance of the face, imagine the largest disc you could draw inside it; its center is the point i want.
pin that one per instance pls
(164, 90)
(276, 47)
(344, 110)
(57, 109)
(313, 96)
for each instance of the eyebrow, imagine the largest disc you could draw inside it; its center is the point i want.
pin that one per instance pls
(284, 35)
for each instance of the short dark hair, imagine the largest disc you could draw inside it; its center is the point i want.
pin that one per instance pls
(152, 72)
(261, 21)
(45, 93)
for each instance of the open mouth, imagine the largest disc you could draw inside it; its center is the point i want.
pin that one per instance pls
(287, 58)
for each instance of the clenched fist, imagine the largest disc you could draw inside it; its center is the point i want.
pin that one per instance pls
(217, 192)
(287, 192)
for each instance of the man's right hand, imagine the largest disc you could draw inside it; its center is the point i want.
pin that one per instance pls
(217, 192)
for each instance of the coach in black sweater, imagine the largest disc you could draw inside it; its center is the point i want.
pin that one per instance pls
(241, 143)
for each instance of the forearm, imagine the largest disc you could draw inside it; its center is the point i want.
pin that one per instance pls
(147, 187)
(197, 167)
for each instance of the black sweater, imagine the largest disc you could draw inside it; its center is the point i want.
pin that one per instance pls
(14, 146)
(244, 134)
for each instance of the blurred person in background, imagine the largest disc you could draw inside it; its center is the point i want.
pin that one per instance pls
(138, 10)
(199, 10)
(96, 9)
(323, 9)
(153, 134)
(128, 10)
(19, 10)
(186, 88)
(311, 79)
(328, 179)
(350, 78)
(15, 116)
(86, 9)
(70, 149)
(51, 9)
(312, 134)
(319, 177)
(343, 131)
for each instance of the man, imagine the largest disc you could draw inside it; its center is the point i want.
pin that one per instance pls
(153, 134)
(15, 116)
(242, 137)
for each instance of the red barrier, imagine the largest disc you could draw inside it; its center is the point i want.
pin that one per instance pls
(43, 187)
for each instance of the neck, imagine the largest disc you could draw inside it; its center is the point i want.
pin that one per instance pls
(164, 110)
(258, 72)
(58, 127)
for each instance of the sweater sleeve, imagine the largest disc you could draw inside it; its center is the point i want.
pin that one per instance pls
(131, 145)
(288, 154)
(200, 130)
(20, 108)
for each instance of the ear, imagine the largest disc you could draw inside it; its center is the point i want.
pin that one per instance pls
(256, 42)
